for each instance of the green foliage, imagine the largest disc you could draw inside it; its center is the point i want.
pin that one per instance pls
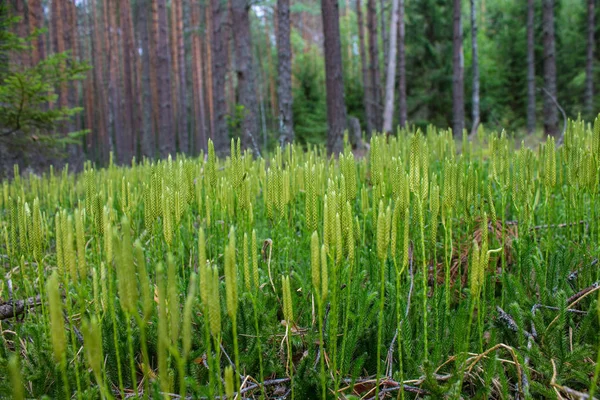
(506, 307)
(26, 93)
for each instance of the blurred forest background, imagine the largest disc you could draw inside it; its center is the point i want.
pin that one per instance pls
(148, 78)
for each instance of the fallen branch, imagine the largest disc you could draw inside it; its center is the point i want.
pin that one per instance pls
(12, 309)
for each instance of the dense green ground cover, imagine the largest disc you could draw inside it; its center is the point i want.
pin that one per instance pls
(443, 273)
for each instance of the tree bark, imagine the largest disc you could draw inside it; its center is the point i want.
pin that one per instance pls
(182, 118)
(198, 84)
(368, 102)
(244, 65)
(114, 92)
(36, 21)
(375, 80)
(166, 137)
(147, 142)
(101, 146)
(384, 34)
(530, 66)
(336, 106)
(589, 64)
(402, 66)
(550, 110)
(390, 84)
(284, 55)
(475, 66)
(219, 71)
(133, 103)
(458, 66)
(209, 68)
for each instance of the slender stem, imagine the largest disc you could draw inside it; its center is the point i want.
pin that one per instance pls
(131, 354)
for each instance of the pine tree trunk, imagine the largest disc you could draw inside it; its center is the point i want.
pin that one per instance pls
(336, 107)
(101, 146)
(198, 85)
(475, 66)
(209, 68)
(368, 102)
(375, 80)
(114, 93)
(390, 84)
(132, 103)
(175, 84)
(165, 132)
(146, 81)
(22, 30)
(550, 97)
(219, 71)
(182, 119)
(59, 33)
(402, 66)
(589, 64)
(530, 66)
(284, 55)
(244, 67)
(36, 21)
(384, 34)
(458, 66)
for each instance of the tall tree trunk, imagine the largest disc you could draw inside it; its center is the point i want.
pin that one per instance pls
(475, 66)
(22, 29)
(550, 109)
(384, 34)
(36, 21)
(209, 67)
(198, 84)
(402, 66)
(114, 92)
(166, 137)
(246, 92)
(132, 104)
(458, 66)
(589, 64)
(336, 106)
(375, 80)
(390, 83)
(175, 84)
(284, 55)
(367, 91)
(182, 119)
(101, 146)
(219, 71)
(59, 34)
(146, 82)
(530, 66)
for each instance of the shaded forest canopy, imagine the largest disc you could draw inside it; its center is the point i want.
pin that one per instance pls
(169, 74)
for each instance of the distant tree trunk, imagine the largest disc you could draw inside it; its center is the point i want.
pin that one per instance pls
(59, 34)
(198, 85)
(458, 66)
(530, 66)
(284, 55)
(166, 137)
(101, 126)
(402, 66)
(390, 83)
(182, 118)
(120, 137)
(244, 65)
(219, 71)
(384, 34)
(550, 109)
(147, 139)
(367, 92)
(589, 64)
(132, 104)
(22, 29)
(475, 66)
(36, 21)
(375, 80)
(175, 84)
(209, 64)
(336, 106)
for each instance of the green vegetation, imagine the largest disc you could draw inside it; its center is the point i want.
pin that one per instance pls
(445, 273)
